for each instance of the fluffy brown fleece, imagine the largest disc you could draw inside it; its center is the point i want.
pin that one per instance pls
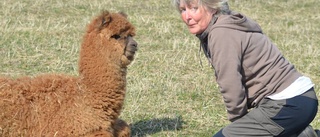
(87, 105)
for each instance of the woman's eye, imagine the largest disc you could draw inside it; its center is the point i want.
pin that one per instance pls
(182, 10)
(116, 37)
(194, 9)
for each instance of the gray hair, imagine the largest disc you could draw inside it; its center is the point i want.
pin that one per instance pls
(221, 6)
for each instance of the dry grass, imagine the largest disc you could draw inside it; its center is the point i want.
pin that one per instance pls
(169, 93)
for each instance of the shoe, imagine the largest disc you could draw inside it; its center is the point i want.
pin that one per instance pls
(308, 132)
(318, 132)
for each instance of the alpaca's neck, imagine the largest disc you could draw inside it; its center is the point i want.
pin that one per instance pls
(104, 80)
(97, 68)
(103, 77)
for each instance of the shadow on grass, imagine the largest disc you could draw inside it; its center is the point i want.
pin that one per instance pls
(152, 126)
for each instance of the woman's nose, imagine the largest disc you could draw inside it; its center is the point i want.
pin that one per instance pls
(188, 17)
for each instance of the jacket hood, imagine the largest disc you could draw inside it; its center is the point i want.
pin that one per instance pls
(237, 21)
(234, 21)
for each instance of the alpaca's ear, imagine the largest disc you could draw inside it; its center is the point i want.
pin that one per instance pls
(105, 20)
(123, 14)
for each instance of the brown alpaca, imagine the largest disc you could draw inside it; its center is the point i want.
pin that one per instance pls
(54, 105)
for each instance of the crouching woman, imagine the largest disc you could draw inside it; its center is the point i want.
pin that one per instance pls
(263, 93)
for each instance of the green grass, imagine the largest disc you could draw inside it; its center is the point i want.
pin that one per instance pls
(169, 92)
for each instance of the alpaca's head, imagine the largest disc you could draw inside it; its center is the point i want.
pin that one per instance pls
(110, 35)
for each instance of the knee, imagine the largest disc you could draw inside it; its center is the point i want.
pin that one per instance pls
(219, 134)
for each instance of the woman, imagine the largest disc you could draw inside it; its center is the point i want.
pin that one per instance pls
(263, 93)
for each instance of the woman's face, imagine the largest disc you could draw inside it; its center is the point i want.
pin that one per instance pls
(196, 17)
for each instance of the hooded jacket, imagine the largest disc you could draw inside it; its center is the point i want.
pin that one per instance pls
(248, 66)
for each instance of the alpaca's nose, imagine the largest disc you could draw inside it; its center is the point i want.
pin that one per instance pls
(132, 42)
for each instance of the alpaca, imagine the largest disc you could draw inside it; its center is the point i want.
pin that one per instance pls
(86, 105)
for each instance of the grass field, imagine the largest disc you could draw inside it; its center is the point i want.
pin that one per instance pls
(169, 92)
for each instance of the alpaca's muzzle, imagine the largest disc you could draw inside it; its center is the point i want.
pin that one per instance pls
(131, 48)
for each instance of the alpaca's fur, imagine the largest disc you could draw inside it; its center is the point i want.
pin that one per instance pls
(86, 105)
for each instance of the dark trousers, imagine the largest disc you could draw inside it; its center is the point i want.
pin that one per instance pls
(275, 118)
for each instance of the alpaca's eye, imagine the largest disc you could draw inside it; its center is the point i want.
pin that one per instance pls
(116, 36)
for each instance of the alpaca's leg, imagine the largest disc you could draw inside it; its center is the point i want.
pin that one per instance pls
(121, 129)
(100, 134)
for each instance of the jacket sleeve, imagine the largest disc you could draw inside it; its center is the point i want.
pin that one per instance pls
(226, 59)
